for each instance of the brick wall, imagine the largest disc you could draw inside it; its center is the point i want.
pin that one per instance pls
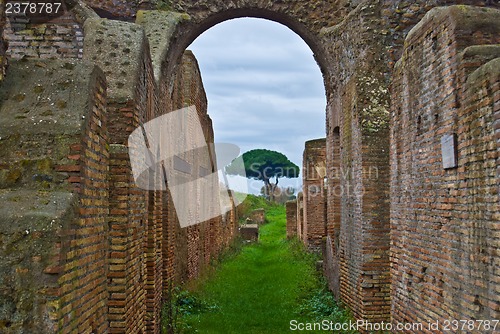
(126, 305)
(61, 37)
(334, 193)
(84, 292)
(114, 249)
(357, 158)
(131, 276)
(300, 215)
(143, 268)
(196, 245)
(444, 218)
(291, 219)
(356, 56)
(313, 174)
(61, 279)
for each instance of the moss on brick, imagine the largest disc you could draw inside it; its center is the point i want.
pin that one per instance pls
(160, 27)
(119, 50)
(30, 228)
(374, 114)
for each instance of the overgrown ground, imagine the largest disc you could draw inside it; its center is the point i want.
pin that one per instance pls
(259, 288)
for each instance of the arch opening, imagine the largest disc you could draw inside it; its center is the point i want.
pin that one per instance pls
(264, 89)
(187, 32)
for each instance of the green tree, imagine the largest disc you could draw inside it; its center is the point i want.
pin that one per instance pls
(264, 165)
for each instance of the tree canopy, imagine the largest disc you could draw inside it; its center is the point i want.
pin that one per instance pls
(264, 165)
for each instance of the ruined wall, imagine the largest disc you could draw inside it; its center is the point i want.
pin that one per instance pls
(363, 49)
(356, 44)
(300, 215)
(61, 37)
(334, 192)
(291, 219)
(313, 174)
(102, 253)
(444, 169)
(197, 245)
(54, 180)
(357, 130)
(131, 273)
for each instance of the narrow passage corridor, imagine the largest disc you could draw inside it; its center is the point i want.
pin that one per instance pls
(262, 288)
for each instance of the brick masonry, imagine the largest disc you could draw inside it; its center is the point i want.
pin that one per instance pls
(114, 250)
(291, 219)
(313, 174)
(334, 193)
(447, 83)
(300, 214)
(378, 185)
(65, 182)
(206, 240)
(357, 244)
(59, 38)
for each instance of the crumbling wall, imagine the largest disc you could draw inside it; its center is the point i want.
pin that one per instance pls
(444, 168)
(291, 219)
(362, 51)
(197, 245)
(313, 174)
(98, 253)
(54, 188)
(357, 129)
(120, 50)
(60, 37)
(300, 215)
(334, 193)
(356, 44)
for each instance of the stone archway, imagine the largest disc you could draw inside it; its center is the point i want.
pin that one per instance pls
(130, 69)
(173, 32)
(140, 62)
(353, 64)
(355, 52)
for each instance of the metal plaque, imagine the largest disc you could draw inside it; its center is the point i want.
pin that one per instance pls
(449, 151)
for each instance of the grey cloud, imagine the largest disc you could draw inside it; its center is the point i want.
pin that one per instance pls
(263, 86)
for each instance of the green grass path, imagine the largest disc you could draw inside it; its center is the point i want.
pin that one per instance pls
(260, 289)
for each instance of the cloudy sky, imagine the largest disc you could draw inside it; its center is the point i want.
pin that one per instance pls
(263, 85)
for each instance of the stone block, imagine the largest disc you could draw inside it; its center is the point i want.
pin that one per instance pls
(249, 232)
(258, 216)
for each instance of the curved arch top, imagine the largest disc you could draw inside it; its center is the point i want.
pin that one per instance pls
(170, 33)
(308, 36)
